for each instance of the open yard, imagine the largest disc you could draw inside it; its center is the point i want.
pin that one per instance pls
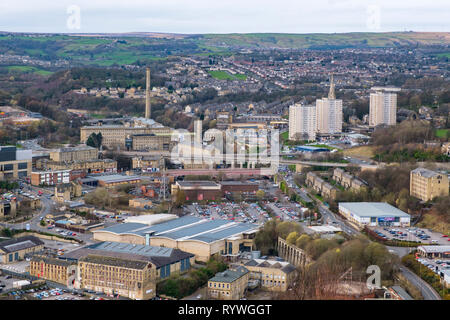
(363, 151)
(223, 75)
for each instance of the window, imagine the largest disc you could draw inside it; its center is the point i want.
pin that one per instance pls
(23, 165)
(8, 167)
(10, 257)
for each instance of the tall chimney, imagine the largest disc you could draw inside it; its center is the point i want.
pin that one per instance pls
(148, 111)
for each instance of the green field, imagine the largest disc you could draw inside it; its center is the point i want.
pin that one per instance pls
(444, 55)
(106, 50)
(223, 75)
(28, 69)
(322, 146)
(442, 133)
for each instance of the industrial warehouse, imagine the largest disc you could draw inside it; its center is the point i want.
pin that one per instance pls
(201, 237)
(374, 214)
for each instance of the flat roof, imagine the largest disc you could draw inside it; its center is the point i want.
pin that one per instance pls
(185, 228)
(237, 183)
(372, 209)
(198, 184)
(325, 228)
(151, 219)
(116, 178)
(434, 249)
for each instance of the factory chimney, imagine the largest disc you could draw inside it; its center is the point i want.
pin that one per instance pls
(148, 110)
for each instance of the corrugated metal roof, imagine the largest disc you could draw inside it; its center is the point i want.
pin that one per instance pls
(372, 209)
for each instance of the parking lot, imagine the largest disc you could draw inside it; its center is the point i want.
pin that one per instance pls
(57, 294)
(244, 212)
(6, 282)
(435, 265)
(286, 212)
(412, 234)
(60, 245)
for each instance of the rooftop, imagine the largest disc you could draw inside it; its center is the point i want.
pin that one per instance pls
(434, 249)
(401, 292)
(20, 244)
(197, 184)
(151, 219)
(116, 262)
(372, 209)
(425, 172)
(229, 275)
(185, 228)
(116, 178)
(159, 256)
(263, 263)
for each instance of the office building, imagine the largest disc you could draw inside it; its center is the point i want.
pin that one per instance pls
(15, 163)
(383, 106)
(50, 178)
(302, 122)
(427, 184)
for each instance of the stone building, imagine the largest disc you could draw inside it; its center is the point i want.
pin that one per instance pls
(230, 284)
(426, 184)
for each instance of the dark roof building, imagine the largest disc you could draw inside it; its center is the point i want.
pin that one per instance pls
(159, 256)
(16, 249)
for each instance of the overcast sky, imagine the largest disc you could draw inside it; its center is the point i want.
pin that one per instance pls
(225, 16)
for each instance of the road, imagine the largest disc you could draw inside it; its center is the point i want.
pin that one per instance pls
(330, 218)
(427, 291)
(47, 207)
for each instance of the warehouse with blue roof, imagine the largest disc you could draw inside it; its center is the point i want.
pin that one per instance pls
(201, 237)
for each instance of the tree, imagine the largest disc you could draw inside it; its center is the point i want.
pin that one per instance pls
(95, 140)
(292, 237)
(302, 241)
(260, 194)
(180, 198)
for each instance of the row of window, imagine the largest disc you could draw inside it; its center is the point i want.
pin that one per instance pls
(10, 166)
(16, 257)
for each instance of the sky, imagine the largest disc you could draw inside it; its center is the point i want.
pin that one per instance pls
(225, 16)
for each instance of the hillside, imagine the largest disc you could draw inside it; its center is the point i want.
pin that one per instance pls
(327, 41)
(132, 48)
